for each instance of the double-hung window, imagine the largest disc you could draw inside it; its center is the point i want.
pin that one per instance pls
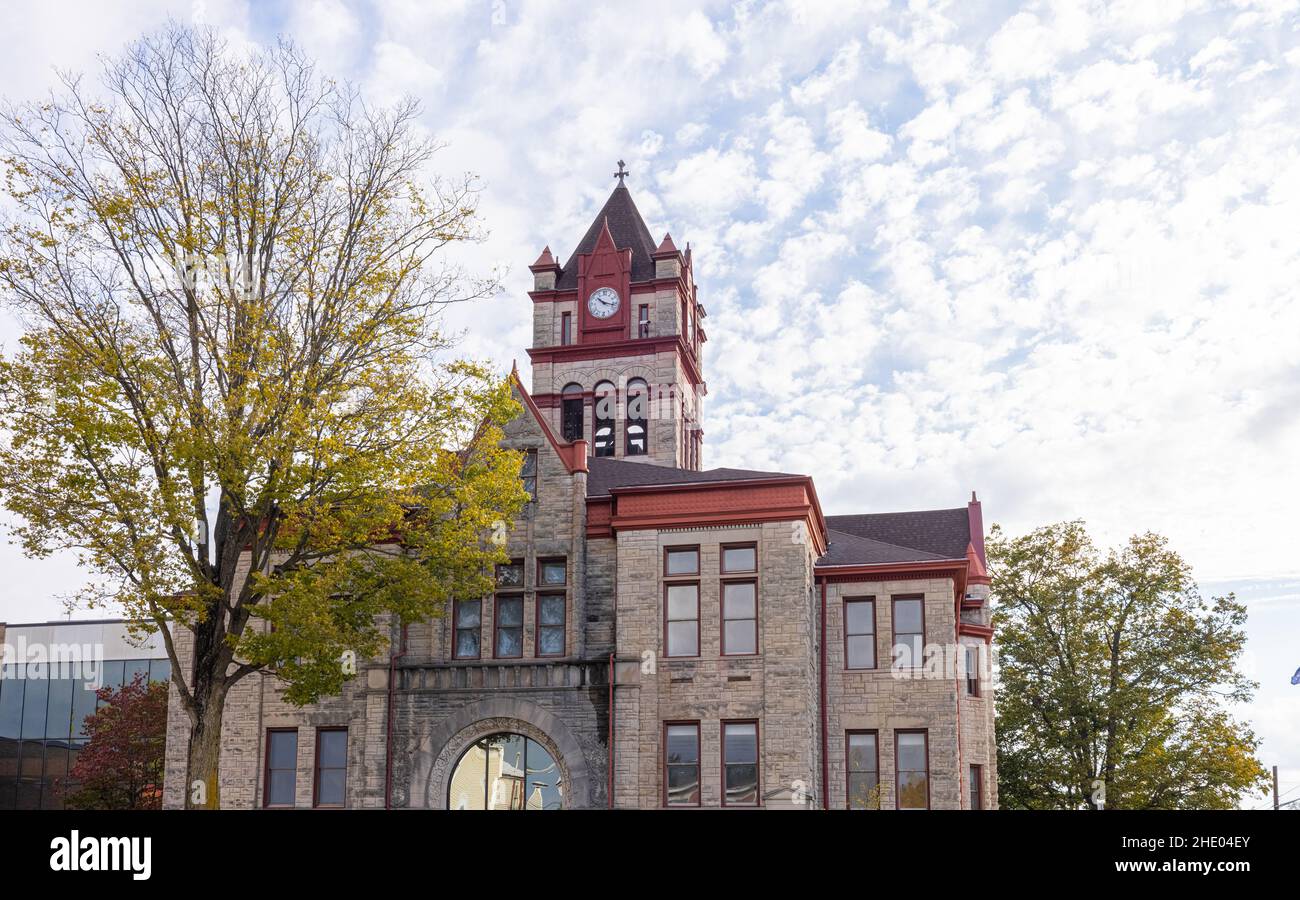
(682, 601)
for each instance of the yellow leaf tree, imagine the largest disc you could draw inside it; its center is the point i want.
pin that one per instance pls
(232, 397)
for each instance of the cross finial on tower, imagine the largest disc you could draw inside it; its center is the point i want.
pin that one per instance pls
(621, 173)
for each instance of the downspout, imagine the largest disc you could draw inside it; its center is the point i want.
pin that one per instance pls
(826, 768)
(388, 725)
(962, 649)
(609, 790)
(958, 686)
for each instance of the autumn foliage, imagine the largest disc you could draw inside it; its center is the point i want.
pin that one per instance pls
(121, 766)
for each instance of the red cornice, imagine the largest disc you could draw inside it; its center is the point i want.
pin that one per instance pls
(922, 568)
(710, 504)
(973, 630)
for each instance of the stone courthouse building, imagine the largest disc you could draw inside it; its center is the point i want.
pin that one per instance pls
(666, 634)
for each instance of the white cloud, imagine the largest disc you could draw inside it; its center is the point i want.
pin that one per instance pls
(711, 183)
(854, 138)
(842, 69)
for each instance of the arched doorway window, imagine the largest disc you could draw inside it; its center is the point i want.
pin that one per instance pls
(571, 412)
(506, 771)
(638, 398)
(604, 408)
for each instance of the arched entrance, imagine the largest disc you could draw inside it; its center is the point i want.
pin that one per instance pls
(506, 771)
(511, 734)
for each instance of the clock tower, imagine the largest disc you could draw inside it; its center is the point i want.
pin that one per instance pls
(617, 341)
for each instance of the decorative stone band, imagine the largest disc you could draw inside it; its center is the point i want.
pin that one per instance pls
(523, 675)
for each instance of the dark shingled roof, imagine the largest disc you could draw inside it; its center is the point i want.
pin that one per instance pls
(628, 230)
(850, 550)
(924, 534)
(606, 473)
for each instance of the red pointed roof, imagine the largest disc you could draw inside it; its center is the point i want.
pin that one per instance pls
(605, 241)
(545, 261)
(666, 246)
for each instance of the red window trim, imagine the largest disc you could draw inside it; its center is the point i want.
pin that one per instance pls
(546, 585)
(316, 770)
(741, 545)
(537, 625)
(925, 732)
(266, 770)
(688, 582)
(455, 627)
(643, 321)
(566, 329)
(975, 681)
(893, 630)
(699, 763)
(722, 616)
(848, 773)
(875, 636)
(678, 548)
(977, 784)
(523, 570)
(496, 622)
(758, 763)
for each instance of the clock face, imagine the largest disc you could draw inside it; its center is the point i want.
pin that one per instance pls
(603, 302)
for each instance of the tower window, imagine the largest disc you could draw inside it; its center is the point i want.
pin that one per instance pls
(638, 393)
(528, 474)
(566, 328)
(604, 406)
(643, 321)
(571, 412)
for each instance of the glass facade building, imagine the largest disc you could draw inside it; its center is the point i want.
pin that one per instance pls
(48, 684)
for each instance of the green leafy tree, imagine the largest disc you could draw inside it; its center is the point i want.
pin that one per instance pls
(121, 766)
(1114, 677)
(233, 398)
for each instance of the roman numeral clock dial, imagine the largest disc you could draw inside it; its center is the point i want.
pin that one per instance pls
(603, 302)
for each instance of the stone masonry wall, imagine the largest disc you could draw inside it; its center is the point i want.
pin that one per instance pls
(777, 687)
(887, 701)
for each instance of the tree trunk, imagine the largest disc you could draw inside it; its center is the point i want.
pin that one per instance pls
(202, 785)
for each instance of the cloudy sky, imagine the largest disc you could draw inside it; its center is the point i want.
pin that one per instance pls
(1047, 251)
